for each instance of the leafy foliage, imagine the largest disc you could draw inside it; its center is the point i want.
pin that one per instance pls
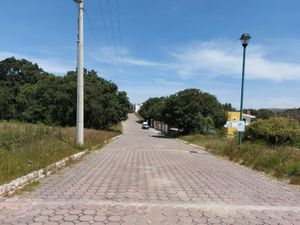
(13, 75)
(153, 109)
(32, 95)
(275, 130)
(189, 110)
(228, 107)
(292, 113)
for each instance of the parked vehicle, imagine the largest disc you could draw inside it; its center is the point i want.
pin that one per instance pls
(145, 125)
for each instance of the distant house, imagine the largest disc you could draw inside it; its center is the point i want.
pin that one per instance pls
(233, 121)
(137, 107)
(247, 118)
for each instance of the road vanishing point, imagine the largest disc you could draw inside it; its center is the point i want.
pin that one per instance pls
(145, 178)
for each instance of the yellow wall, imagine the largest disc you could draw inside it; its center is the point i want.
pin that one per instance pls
(232, 116)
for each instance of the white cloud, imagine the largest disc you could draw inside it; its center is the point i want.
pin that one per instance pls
(273, 102)
(139, 62)
(169, 82)
(47, 64)
(215, 58)
(121, 57)
(223, 58)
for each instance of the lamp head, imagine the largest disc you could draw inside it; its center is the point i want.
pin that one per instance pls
(245, 39)
(77, 1)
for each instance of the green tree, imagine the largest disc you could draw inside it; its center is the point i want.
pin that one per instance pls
(228, 107)
(30, 94)
(13, 75)
(261, 113)
(291, 113)
(194, 111)
(153, 108)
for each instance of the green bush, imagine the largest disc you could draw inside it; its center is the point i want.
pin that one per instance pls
(275, 130)
(293, 169)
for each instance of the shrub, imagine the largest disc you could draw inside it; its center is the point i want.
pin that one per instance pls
(293, 169)
(275, 130)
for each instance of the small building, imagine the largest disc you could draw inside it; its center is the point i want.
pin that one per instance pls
(233, 118)
(137, 107)
(247, 118)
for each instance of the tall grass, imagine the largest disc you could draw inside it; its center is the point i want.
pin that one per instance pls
(27, 147)
(141, 119)
(280, 161)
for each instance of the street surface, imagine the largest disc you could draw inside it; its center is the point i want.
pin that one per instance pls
(145, 178)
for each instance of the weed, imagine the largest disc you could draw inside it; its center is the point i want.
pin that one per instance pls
(28, 147)
(280, 161)
(293, 169)
(31, 186)
(295, 180)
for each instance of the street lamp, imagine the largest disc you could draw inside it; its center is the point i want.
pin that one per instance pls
(245, 40)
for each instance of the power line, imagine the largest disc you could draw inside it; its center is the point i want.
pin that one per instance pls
(113, 33)
(111, 43)
(120, 33)
(96, 39)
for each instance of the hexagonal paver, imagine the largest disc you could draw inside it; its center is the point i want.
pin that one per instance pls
(145, 178)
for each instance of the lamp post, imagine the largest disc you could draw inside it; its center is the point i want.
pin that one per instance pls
(245, 40)
(80, 78)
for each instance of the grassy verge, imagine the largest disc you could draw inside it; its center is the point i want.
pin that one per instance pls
(141, 119)
(279, 161)
(26, 147)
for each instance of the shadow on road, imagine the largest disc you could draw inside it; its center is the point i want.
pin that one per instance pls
(139, 121)
(162, 136)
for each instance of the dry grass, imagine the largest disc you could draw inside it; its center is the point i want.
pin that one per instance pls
(279, 161)
(27, 147)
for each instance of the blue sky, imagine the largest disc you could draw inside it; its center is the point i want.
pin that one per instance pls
(156, 48)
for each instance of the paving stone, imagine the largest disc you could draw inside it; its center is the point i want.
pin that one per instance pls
(66, 223)
(86, 218)
(70, 218)
(41, 218)
(144, 178)
(56, 218)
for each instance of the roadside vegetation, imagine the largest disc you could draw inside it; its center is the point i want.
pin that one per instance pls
(141, 119)
(271, 142)
(190, 110)
(271, 145)
(29, 94)
(28, 147)
(36, 109)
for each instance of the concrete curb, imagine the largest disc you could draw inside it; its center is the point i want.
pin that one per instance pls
(196, 146)
(11, 187)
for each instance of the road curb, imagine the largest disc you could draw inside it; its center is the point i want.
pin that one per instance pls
(187, 143)
(15, 185)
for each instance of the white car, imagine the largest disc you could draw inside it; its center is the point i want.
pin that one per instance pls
(145, 125)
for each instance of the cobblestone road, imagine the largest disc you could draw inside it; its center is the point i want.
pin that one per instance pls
(144, 178)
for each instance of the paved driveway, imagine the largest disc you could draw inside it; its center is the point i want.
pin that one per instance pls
(145, 178)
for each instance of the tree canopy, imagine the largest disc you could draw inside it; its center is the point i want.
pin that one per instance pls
(30, 94)
(292, 113)
(190, 110)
